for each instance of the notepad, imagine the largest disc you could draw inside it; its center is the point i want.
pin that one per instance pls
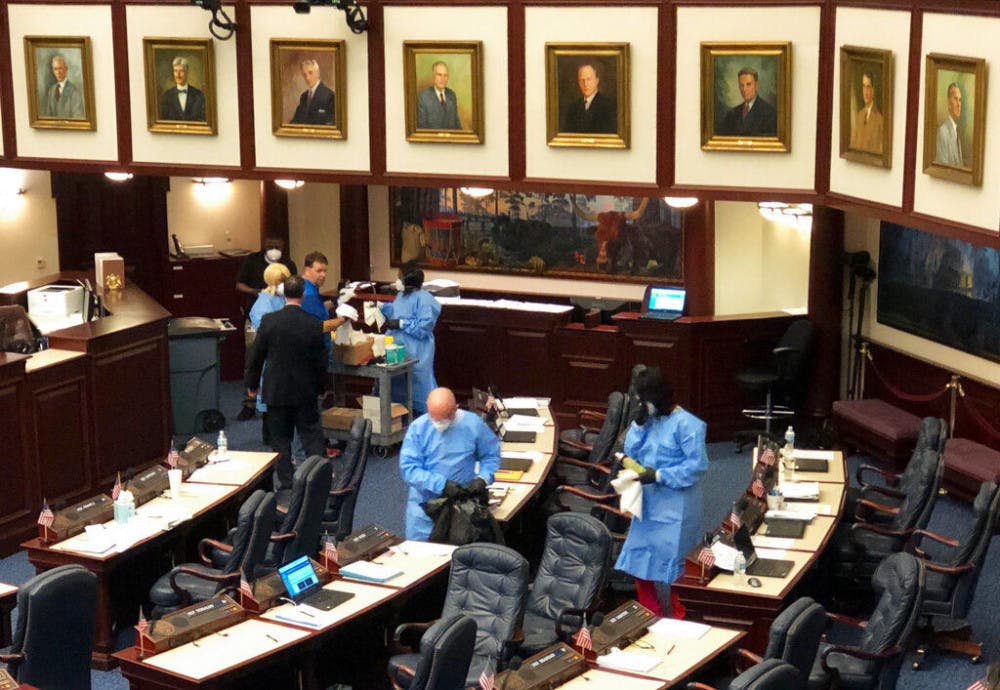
(367, 571)
(671, 627)
(507, 475)
(628, 661)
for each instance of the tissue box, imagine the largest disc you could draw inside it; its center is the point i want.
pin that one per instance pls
(340, 418)
(370, 409)
(355, 353)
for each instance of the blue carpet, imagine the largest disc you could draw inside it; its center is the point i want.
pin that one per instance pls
(383, 500)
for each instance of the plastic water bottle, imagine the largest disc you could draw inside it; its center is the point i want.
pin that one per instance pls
(789, 438)
(788, 453)
(223, 445)
(740, 568)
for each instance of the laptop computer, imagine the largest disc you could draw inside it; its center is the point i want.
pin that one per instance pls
(812, 465)
(761, 567)
(784, 528)
(303, 586)
(663, 302)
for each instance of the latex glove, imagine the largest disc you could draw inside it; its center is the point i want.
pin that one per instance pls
(647, 475)
(476, 486)
(348, 312)
(392, 324)
(451, 489)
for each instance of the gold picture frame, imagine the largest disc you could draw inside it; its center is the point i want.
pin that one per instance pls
(443, 88)
(300, 106)
(60, 82)
(167, 62)
(866, 92)
(954, 150)
(587, 96)
(756, 74)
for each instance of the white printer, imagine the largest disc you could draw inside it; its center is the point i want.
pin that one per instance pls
(55, 301)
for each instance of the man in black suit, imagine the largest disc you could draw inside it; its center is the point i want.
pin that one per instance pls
(593, 112)
(317, 102)
(182, 101)
(754, 117)
(292, 345)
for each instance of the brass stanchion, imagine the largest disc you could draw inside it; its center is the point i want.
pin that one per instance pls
(955, 389)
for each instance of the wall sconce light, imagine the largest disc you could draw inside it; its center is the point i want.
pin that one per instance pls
(211, 190)
(119, 176)
(797, 216)
(289, 184)
(211, 180)
(476, 192)
(681, 201)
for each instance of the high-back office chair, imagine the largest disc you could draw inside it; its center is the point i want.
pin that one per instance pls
(874, 662)
(445, 656)
(55, 629)
(952, 577)
(572, 571)
(193, 582)
(632, 405)
(769, 674)
(300, 529)
(577, 470)
(784, 378)
(933, 434)
(488, 583)
(348, 473)
(17, 332)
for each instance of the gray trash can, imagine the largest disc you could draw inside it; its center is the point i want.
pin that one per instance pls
(194, 372)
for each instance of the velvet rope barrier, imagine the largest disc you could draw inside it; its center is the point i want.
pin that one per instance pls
(901, 394)
(980, 419)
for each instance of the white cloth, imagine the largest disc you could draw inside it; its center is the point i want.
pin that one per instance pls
(374, 315)
(347, 311)
(628, 486)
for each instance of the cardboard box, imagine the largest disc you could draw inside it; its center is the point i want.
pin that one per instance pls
(340, 418)
(370, 409)
(356, 353)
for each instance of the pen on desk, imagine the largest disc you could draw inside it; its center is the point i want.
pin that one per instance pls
(671, 648)
(271, 637)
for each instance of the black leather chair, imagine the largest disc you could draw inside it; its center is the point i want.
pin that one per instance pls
(55, 629)
(769, 674)
(193, 582)
(860, 547)
(348, 472)
(784, 379)
(893, 487)
(488, 583)
(874, 661)
(589, 443)
(572, 571)
(445, 656)
(952, 576)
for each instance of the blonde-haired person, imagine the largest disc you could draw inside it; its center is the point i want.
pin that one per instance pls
(270, 299)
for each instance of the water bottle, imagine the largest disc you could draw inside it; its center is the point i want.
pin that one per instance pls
(223, 445)
(788, 454)
(740, 568)
(789, 438)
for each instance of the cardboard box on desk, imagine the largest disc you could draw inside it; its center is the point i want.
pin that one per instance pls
(340, 418)
(353, 354)
(370, 408)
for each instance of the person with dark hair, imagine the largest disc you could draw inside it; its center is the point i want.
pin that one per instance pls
(410, 320)
(314, 271)
(668, 446)
(754, 117)
(291, 343)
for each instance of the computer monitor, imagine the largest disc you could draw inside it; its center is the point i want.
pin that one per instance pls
(663, 302)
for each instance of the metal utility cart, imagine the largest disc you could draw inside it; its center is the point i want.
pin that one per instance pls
(383, 374)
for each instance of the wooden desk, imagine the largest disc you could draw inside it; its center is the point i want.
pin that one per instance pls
(682, 657)
(418, 561)
(241, 469)
(8, 600)
(124, 577)
(521, 490)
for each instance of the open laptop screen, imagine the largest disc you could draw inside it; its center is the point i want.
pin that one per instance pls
(299, 577)
(664, 299)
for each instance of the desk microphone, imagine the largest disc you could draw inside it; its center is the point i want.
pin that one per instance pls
(598, 618)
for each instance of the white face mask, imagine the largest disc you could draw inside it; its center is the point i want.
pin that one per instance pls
(272, 255)
(398, 285)
(651, 409)
(441, 424)
(280, 290)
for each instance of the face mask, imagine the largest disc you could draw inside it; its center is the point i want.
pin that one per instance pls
(398, 285)
(272, 255)
(280, 290)
(441, 425)
(651, 409)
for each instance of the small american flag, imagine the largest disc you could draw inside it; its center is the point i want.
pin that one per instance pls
(734, 518)
(173, 458)
(767, 457)
(706, 556)
(46, 517)
(143, 625)
(979, 685)
(583, 641)
(330, 551)
(117, 488)
(757, 488)
(246, 589)
(486, 679)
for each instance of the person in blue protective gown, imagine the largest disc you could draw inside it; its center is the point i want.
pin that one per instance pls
(439, 457)
(666, 447)
(410, 321)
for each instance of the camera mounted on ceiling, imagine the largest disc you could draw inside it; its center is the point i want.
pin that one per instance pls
(353, 12)
(220, 25)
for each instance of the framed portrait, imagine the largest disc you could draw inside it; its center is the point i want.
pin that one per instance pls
(954, 118)
(866, 80)
(308, 88)
(746, 97)
(180, 85)
(60, 81)
(443, 88)
(587, 95)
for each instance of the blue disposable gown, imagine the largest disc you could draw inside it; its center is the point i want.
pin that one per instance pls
(419, 313)
(266, 303)
(429, 458)
(673, 445)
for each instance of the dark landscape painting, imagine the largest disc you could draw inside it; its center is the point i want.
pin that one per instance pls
(941, 289)
(554, 235)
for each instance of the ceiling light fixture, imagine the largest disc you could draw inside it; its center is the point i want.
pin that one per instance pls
(791, 215)
(476, 192)
(681, 201)
(118, 176)
(289, 184)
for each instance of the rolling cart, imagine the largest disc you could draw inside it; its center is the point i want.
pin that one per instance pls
(383, 374)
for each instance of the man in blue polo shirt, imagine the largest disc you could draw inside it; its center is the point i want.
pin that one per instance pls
(314, 271)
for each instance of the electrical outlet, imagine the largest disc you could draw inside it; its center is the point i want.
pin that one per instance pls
(39, 262)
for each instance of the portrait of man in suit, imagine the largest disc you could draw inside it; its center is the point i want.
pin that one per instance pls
(437, 105)
(64, 98)
(594, 111)
(317, 104)
(949, 134)
(60, 82)
(182, 101)
(866, 134)
(753, 116)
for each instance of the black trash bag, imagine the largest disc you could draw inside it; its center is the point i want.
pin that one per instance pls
(209, 421)
(463, 519)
